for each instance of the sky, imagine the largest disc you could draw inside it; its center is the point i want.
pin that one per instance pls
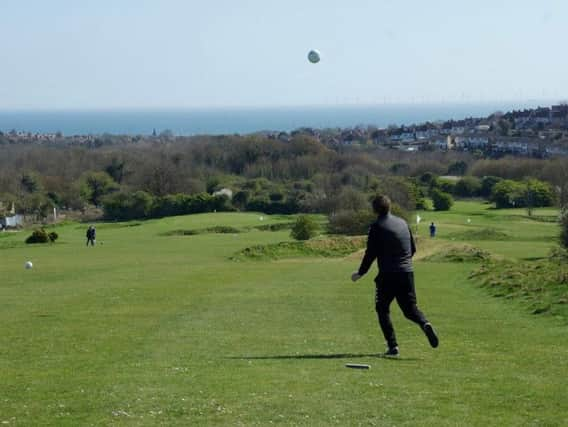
(171, 54)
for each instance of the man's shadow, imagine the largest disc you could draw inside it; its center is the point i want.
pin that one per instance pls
(320, 357)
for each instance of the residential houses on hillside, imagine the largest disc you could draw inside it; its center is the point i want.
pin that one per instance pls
(539, 132)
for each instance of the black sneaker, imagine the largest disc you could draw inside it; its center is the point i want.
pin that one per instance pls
(431, 335)
(391, 352)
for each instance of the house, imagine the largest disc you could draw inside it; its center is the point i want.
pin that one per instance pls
(442, 144)
(482, 128)
(12, 221)
(559, 114)
(471, 142)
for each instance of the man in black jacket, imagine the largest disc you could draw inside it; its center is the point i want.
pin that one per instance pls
(91, 235)
(390, 241)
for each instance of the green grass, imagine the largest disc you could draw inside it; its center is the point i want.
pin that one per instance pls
(541, 286)
(147, 329)
(323, 247)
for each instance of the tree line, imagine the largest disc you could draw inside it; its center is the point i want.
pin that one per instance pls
(127, 178)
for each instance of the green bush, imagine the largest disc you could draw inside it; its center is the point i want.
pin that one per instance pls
(422, 204)
(442, 201)
(241, 198)
(351, 223)
(515, 194)
(487, 184)
(507, 194)
(468, 186)
(304, 228)
(538, 193)
(457, 168)
(39, 235)
(126, 206)
(286, 207)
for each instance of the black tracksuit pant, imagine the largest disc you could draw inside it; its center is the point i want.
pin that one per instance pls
(400, 286)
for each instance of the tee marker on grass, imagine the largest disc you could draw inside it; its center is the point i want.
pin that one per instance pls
(357, 366)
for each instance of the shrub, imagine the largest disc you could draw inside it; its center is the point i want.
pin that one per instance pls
(276, 196)
(442, 201)
(241, 198)
(95, 185)
(426, 178)
(507, 194)
(286, 207)
(445, 185)
(468, 186)
(531, 193)
(304, 229)
(127, 206)
(538, 193)
(487, 184)
(402, 192)
(39, 235)
(457, 168)
(422, 204)
(351, 223)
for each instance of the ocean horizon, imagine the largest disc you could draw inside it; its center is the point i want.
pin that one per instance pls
(218, 121)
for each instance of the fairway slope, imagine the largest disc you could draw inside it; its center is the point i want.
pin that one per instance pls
(153, 329)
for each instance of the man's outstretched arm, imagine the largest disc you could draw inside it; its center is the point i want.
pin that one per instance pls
(370, 256)
(412, 243)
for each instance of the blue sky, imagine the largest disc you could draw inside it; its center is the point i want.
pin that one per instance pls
(160, 54)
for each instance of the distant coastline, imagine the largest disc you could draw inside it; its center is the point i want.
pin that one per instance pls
(242, 120)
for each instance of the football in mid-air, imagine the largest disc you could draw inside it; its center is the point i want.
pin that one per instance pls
(314, 56)
(28, 265)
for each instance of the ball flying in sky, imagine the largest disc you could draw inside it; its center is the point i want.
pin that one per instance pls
(314, 56)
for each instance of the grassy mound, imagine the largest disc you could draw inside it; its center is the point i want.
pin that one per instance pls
(334, 247)
(481, 234)
(8, 240)
(275, 227)
(543, 218)
(541, 286)
(461, 253)
(111, 225)
(220, 229)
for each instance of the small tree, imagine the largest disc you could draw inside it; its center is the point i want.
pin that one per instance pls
(457, 168)
(442, 201)
(507, 194)
(468, 186)
(30, 182)
(304, 228)
(487, 184)
(241, 198)
(351, 223)
(95, 185)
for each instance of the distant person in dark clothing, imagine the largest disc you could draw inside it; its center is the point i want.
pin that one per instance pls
(390, 241)
(91, 235)
(432, 230)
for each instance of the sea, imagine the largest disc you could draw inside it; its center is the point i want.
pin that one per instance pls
(218, 121)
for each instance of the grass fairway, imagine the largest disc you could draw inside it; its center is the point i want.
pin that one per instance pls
(153, 328)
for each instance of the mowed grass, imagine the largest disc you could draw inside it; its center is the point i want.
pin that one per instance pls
(156, 329)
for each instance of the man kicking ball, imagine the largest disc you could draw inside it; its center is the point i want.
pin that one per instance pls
(390, 241)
